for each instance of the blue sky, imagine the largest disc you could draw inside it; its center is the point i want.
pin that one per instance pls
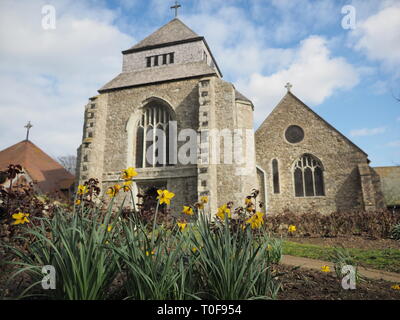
(348, 76)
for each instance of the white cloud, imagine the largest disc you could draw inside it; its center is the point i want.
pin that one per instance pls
(367, 132)
(233, 40)
(48, 75)
(314, 74)
(260, 70)
(378, 36)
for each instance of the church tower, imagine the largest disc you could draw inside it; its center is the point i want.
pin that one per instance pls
(171, 82)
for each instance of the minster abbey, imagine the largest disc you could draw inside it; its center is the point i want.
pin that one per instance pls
(171, 82)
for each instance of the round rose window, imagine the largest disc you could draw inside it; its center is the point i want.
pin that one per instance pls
(294, 134)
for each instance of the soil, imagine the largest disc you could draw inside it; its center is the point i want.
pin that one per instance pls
(350, 242)
(302, 284)
(307, 284)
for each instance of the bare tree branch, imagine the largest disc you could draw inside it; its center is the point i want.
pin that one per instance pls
(68, 162)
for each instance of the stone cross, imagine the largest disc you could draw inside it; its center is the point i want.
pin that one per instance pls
(176, 7)
(28, 127)
(288, 86)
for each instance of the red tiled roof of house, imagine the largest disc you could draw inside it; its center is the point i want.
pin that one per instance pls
(48, 173)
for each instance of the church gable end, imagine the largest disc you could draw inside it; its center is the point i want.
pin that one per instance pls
(318, 166)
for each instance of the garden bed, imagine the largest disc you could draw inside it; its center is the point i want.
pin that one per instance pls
(307, 284)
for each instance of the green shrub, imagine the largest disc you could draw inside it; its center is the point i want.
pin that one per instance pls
(233, 265)
(186, 257)
(396, 232)
(341, 257)
(155, 263)
(374, 224)
(76, 247)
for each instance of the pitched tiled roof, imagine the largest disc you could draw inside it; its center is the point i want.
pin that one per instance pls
(239, 96)
(173, 31)
(164, 73)
(291, 95)
(47, 172)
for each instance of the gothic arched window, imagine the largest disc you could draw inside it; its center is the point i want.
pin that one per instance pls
(154, 116)
(308, 177)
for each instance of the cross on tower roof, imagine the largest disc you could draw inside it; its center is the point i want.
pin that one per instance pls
(28, 127)
(288, 86)
(176, 7)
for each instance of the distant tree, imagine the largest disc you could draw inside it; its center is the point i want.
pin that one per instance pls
(68, 162)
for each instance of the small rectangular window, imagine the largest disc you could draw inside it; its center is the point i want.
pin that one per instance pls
(155, 60)
(164, 60)
(148, 62)
(171, 57)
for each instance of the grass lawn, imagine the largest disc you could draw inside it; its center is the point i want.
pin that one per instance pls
(386, 259)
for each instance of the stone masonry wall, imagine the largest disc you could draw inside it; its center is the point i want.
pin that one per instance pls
(235, 180)
(91, 151)
(125, 105)
(183, 53)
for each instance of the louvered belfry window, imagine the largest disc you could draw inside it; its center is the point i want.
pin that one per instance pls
(154, 116)
(308, 177)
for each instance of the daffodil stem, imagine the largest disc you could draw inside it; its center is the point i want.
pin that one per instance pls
(133, 202)
(154, 223)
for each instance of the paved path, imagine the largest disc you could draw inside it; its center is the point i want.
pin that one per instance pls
(317, 264)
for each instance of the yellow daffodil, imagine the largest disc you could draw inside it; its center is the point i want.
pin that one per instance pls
(292, 228)
(153, 252)
(199, 205)
(109, 228)
(128, 174)
(187, 210)
(256, 220)
(113, 191)
(78, 202)
(82, 190)
(20, 218)
(396, 287)
(182, 225)
(269, 247)
(164, 196)
(222, 211)
(194, 249)
(250, 208)
(204, 199)
(325, 269)
(127, 185)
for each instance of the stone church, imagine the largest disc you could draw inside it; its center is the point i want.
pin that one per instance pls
(171, 79)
